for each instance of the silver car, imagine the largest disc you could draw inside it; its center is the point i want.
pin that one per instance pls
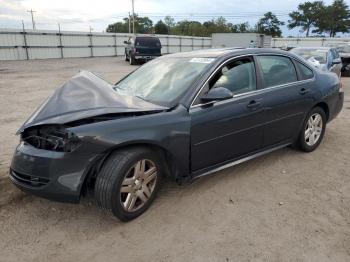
(324, 58)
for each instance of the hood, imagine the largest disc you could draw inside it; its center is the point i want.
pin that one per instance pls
(85, 95)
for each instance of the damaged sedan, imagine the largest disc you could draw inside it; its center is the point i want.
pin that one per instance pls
(180, 116)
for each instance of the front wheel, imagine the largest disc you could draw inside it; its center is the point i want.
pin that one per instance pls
(128, 182)
(313, 130)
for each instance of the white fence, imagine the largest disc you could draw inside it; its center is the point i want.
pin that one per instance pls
(310, 41)
(43, 44)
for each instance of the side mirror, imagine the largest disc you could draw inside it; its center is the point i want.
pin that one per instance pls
(217, 94)
(126, 42)
(336, 61)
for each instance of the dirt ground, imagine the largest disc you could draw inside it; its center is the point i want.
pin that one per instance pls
(285, 206)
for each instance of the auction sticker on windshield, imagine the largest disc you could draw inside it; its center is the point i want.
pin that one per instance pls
(203, 60)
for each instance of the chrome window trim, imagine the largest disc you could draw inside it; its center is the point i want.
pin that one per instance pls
(254, 91)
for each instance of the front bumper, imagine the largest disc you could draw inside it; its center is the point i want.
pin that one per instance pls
(53, 175)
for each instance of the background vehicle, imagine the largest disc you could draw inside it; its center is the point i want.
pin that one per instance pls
(324, 58)
(182, 116)
(142, 48)
(344, 52)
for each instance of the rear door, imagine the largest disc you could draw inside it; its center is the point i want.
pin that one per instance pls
(285, 98)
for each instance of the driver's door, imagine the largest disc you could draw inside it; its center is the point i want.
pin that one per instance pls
(227, 130)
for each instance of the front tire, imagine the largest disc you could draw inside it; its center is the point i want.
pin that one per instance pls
(313, 130)
(128, 182)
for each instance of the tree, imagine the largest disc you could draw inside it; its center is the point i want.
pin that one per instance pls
(269, 25)
(143, 25)
(161, 28)
(118, 27)
(334, 19)
(241, 28)
(307, 16)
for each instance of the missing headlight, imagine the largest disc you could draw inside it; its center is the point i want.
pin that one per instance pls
(51, 137)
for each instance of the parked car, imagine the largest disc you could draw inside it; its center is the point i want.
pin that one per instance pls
(142, 48)
(324, 58)
(344, 52)
(180, 116)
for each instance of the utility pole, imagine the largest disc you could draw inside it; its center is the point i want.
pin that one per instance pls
(133, 17)
(31, 11)
(129, 23)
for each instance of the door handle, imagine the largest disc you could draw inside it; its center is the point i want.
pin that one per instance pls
(254, 104)
(303, 91)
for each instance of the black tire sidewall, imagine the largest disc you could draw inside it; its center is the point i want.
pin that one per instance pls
(303, 145)
(116, 206)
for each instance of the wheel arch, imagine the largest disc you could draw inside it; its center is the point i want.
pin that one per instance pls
(165, 155)
(325, 108)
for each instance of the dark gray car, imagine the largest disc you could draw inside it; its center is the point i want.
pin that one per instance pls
(180, 116)
(324, 58)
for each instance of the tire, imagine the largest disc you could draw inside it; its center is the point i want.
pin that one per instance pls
(311, 134)
(119, 171)
(132, 59)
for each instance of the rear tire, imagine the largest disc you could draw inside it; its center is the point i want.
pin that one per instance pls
(313, 130)
(123, 188)
(132, 59)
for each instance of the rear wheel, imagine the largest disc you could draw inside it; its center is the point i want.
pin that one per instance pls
(128, 182)
(132, 59)
(313, 130)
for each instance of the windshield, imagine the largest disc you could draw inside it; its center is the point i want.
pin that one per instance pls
(163, 80)
(319, 55)
(344, 49)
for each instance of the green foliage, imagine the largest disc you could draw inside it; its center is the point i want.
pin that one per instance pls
(143, 25)
(269, 25)
(331, 19)
(184, 27)
(161, 28)
(307, 16)
(334, 19)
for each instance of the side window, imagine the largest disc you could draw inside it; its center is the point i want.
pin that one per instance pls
(238, 76)
(277, 70)
(305, 72)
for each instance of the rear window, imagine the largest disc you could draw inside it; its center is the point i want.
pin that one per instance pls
(277, 70)
(147, 41)
(305, 72)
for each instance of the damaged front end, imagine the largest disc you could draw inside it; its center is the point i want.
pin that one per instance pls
(51, 137)
(60, 142)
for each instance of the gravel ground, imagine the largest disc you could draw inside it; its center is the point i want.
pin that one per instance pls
(285, 206)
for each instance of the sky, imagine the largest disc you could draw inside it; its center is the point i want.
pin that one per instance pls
(80, 15)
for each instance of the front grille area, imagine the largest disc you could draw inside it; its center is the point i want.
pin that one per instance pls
(29, 180)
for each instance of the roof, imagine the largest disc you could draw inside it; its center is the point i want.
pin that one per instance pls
(215, 53)
(314, 47)
(206, 52)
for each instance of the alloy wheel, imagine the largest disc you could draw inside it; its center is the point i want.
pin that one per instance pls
(313, 129)
(138, 185)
